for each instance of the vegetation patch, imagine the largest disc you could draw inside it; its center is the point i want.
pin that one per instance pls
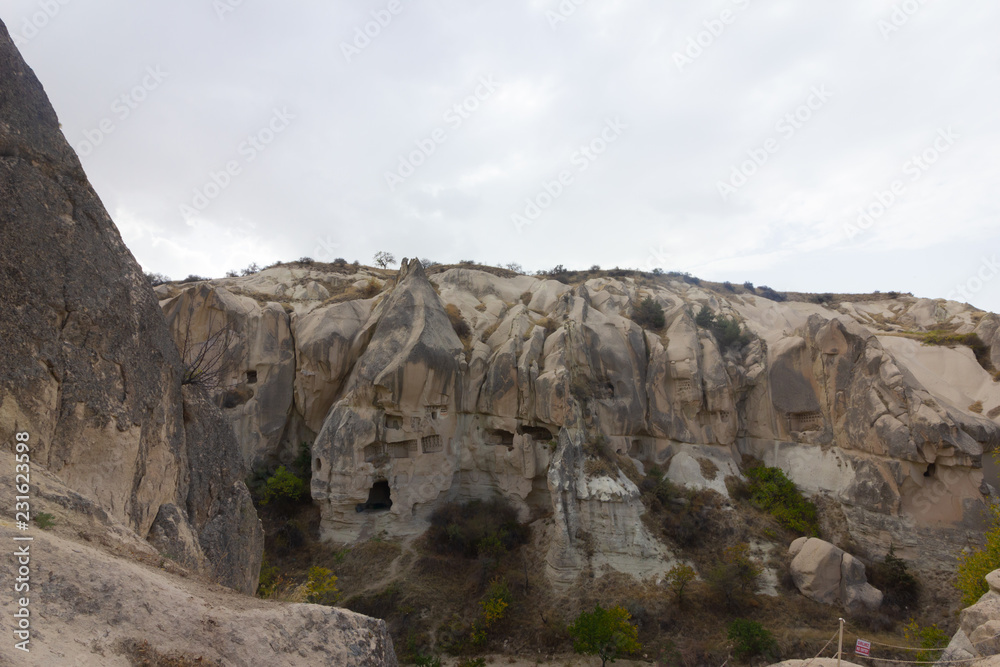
(649, 314)
(772, 491)
(476, 528)
(974, 565)
(728, 332)
(901, 589)
(606, 633)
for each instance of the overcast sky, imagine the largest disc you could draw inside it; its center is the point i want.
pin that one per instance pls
(734, 139)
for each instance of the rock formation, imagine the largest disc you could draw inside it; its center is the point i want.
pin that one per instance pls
(827, 574)
(102, 596)
(125, 455)
(89, 369)
(979, 628)
(397, 408)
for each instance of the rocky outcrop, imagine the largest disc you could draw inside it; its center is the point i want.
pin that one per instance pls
(88, 367)
(827, 574)
(399, 409)
(978, 633)
(100, 595)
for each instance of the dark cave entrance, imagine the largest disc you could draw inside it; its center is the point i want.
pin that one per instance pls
(379, 498)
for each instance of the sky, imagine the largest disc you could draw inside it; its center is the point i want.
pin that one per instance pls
(829, 146)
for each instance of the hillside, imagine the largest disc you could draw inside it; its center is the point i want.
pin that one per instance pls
(419, 391)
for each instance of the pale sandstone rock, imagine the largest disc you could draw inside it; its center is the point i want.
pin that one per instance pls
(826, 574)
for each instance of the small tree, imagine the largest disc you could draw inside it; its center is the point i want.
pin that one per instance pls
(649, 313)
(705, 318)
(606, 633)
(973, 566)
(751, 639)
(678, 578)
(283, 486)
(321, 587)
(384, 259)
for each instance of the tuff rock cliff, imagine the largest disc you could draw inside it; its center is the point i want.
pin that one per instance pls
(119, 449)
(368, 370)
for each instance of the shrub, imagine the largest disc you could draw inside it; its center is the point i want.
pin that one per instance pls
(605, 633)
(156, 279)
(774, 493)
(514, 266)
(930, 637)
(678, 578)
(283, 486)
(321, 587)
(728, 286)
(748, 285)
(727, 330)
(193, 278)
(251, 269)
(705, 317)
(751, 639)
(270, 580)
(649, 313)
(736, 577)
(477, 528)
(44, 520)
(458, 323)
(370, 289)
(973, 566)
(891, 576)
(769, 293)
(495, 602)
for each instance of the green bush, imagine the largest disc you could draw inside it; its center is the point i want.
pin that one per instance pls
(270, 580)
(726, 330)
(44, 520)
(648, 313)
(773, 492)
(321, 587)
(975, 565)
(283, 486)
(478, 528)
(930, 637)
(750, 639)
(606, 633)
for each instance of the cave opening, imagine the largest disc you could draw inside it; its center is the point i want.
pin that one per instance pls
(251, 377)
(379, 498)
(930, 470)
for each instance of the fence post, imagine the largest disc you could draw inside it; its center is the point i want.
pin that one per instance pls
(840, 642)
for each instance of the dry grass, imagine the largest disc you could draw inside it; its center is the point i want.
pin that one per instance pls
(977, 407)
(708, 468)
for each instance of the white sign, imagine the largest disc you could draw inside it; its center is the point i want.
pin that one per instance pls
(862, 647)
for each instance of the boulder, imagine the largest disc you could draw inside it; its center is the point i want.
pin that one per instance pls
(827, 574)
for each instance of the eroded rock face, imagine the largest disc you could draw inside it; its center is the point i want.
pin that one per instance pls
(98, 592)
(404, 411)
(88, 367)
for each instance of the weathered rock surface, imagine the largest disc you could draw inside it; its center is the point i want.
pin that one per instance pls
(827, 574)
(88, 367)
(399, 409)
(100, 595)
(978, 633)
